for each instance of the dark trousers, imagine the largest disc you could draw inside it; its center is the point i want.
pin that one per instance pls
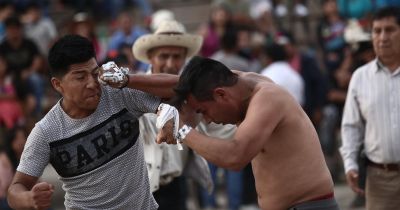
(172, 196)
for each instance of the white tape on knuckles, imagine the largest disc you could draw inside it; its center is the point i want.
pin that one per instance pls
(166, 113)
(112, 73)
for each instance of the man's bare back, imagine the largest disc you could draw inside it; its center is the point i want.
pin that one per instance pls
(290, 165)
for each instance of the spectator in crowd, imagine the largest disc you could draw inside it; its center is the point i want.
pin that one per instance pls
(167, 51)
(24, 63)
(10, 154)
(370, 117)
(279, 71)
(38, 28)
(228, 53)
(10, 108)
(220, 20)
(336, 60)
(126, 34)
(6, 10)
(314, 80)
(82, 24)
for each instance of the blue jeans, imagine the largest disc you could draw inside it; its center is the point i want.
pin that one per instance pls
(234, 188)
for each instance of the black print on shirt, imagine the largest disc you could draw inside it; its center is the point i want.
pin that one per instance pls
(93, 148)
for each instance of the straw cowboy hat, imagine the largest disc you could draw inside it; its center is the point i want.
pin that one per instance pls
(169, 33)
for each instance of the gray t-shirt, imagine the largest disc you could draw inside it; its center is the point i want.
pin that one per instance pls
(99, 158)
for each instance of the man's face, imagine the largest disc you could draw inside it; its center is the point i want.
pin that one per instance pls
(79, 87)
(385, 37)
(218, 110)
(167, 59)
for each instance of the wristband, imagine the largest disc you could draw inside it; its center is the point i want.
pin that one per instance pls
(182, 132)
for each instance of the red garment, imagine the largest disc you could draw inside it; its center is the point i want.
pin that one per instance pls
(10, 109)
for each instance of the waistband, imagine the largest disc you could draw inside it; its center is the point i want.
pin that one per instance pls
(322, 197)
(385, 166)
(324, 202)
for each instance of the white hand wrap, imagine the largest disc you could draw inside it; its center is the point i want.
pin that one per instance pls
(113, 74)
(167, 112)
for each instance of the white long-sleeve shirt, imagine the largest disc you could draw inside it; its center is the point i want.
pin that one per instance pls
(372, 116)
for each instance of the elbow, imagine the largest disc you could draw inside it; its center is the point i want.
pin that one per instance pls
(236, 163)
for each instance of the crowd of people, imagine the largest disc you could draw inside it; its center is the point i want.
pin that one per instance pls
(250, 37)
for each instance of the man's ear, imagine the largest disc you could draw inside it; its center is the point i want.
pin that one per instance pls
(219, 93)
(56, 83)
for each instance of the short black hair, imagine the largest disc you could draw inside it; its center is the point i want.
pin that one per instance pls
(275, 52)
(200, 77)
(229, 40)
(12, 21)
(70, 49)
(386, 12)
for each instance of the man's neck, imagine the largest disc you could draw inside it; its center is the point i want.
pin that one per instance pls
(391, 63)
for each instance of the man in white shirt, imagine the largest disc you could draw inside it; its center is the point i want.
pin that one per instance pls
(371, 116)
(167, 50)
(279, 71)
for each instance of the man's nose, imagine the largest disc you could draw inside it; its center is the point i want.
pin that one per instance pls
(93, 81)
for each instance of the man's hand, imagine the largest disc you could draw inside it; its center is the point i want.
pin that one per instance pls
(166, 133)
(110, 74)
(352, 181)
(41, 195)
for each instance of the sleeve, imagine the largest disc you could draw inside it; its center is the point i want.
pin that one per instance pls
(35, 156)
(136, 100)
(353, 126)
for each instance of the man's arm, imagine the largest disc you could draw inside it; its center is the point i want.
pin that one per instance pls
(352, 130)
(261, 119)
(160, 85)
(25, 193)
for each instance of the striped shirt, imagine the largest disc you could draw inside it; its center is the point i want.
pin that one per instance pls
(372, 116)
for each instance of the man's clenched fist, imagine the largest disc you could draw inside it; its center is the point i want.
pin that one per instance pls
(41, 195)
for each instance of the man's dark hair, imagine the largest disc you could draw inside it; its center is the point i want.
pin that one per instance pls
(229, 40)
(386, 12)
(70, 49)
(12, 21)
(275, 52)
(200, 77)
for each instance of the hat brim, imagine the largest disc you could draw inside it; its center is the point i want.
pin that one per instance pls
(144, 43)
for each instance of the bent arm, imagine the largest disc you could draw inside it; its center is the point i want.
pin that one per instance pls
(261, 119)
(19, 194)
(160, 85)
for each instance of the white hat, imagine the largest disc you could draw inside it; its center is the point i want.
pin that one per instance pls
(169, 33)
(354, 32)
(159, 16)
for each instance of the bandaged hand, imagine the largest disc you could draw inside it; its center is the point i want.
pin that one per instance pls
(114, 76)
(168, 124)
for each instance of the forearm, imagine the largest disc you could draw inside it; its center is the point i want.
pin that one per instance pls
(221, 152)
(19, 197)
(160, 85)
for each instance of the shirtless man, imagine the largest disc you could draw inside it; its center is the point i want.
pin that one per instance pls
(273, 133)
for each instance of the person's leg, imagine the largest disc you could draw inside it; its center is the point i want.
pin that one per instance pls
(234, 188)
(208, 200)
(382, 189)
(168, 196)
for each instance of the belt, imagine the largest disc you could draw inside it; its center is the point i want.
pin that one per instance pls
(385, 166)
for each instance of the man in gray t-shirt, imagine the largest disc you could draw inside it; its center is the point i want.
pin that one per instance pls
(90, 137)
